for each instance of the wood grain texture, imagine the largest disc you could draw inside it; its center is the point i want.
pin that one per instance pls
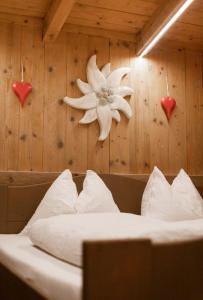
(31, 116)
(13, 60)
(140, 137)
(76, 134)
(194, 90)
(177, 134)
(102, 16)
(120, 137)
(106, 19)
(158, 127)
(55, 18)
(36, 8)
(128, 272)
(3, 91)
(139, 7)
(54, 112)
(99, 32)
(45, 135)
(157, 22)
(146, 270)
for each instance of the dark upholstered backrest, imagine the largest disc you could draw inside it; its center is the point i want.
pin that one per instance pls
(18, 203)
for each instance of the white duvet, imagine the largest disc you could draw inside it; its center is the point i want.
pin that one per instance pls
(63, 236)
(49, 276)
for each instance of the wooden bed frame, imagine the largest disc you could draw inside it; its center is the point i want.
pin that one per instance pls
(113, 270)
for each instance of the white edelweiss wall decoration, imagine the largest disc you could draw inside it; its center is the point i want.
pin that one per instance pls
(103, 96)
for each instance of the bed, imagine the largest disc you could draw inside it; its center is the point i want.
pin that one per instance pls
(119, 269)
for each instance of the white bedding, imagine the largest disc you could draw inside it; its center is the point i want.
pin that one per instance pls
(57, 280)
(64, 235)
(52, 278)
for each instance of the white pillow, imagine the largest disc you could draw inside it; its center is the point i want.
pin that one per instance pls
(95, 196)
(63, 235)
(176, 202)
(59, 199)
(190, 203)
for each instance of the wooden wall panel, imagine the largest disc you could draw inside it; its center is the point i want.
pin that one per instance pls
(177, 133)
(54, 112)
(44, 135)
(76, 134)
(158, 126)
(31, 115)
(120, 139)
(13, 54)
(37, 77)
(194, 109)
(140, 138)
(3, 90)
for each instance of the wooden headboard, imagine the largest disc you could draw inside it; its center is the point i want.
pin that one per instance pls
(20, 197)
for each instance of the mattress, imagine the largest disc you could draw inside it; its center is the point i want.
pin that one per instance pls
(50, 277)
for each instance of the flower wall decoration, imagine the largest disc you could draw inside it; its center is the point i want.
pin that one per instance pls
(103, 96)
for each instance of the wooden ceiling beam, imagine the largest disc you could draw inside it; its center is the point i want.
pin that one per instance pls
(56, 18)
(156, 23)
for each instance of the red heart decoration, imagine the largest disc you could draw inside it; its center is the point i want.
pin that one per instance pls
(168, 104)
(22, 90)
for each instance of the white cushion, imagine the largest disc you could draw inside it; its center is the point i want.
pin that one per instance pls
(59, 199)
(63, 236)
(176, 202)
(185, 194)
(95, 196)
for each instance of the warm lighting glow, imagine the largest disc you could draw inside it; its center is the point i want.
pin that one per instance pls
(166, 27)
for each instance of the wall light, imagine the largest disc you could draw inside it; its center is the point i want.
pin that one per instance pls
(166, 27)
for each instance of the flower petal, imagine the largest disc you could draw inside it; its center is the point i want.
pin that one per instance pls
(114, 79)
(95, 77)
(86, 102)
(121, 104)
(106, 70)
(116, 115)
(89, 117)
(84, 87)
(105, 120)
(123, 91)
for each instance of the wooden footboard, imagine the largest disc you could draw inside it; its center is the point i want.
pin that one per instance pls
(140, 270)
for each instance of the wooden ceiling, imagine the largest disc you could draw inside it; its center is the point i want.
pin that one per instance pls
(124, 17)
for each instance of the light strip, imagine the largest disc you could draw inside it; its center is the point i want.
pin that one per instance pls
(166, 27)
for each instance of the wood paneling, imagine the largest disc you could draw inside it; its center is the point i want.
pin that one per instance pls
(76, 134)
(99, 32)
(120, 134)
(12, 113)
(194, 110)
(55, 18)
(186, 33)
(21, 20)
(139, 7)
(36, 8)
(45, 135)
(189, 28)
(31, 116)
(54, 112)
(157, 22)
(121, 19)
(106, 18)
